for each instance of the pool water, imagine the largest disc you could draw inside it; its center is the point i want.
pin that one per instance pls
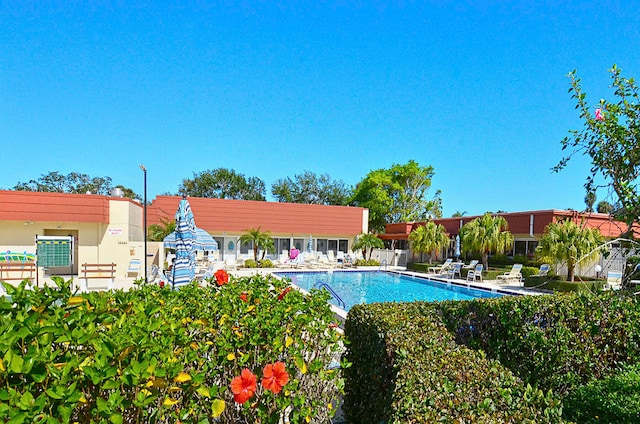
(356, 287)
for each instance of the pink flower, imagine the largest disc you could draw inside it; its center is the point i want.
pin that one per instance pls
(599, 115)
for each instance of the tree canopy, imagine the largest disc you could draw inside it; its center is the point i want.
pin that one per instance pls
(611, 138)
(311, 188)
(73, 182)
(428, 238)
(486, 234)
(222, 183)
(259, 240)
(569, 242)
(397, 194)
(367, 241)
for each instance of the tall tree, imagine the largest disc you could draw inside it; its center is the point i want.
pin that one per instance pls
(611, 138)
(604, 207)
(428, 238)
(222, 183)
(367, 242)
(73, 182)
(568, 242)
(259, 239)
(489, 233)
(398, 194)
(589, 201)
(312, 189)
(458, 214)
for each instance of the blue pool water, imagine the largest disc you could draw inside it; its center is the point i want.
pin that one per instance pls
(356, 287)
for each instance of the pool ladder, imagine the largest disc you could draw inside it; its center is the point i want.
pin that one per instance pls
(383, 263)
(322, 285)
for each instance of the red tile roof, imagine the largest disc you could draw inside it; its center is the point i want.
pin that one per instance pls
(58, 207)
(235, 216)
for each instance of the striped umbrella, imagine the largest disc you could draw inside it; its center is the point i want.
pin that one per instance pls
(203, 241)
(184, 264)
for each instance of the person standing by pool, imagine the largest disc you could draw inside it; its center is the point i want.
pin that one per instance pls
(293, 253)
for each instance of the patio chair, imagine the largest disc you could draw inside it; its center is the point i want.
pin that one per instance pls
(471, 265)
(454, 270)
(614, 280)
(230, 263)
(513, 275)
(134, 268)
(544, 270)
(476, 274)
(439, 268)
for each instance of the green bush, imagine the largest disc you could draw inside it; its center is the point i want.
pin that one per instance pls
(499, 260)
(367, 262)
(266, 263)
(557, 283)
(613, 400)
(554, 342)
(154, 355)
(406, 367)
(528, 271)
(419, 267)
(250, 263)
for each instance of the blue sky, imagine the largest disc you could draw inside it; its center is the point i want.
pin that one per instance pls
(478, 90)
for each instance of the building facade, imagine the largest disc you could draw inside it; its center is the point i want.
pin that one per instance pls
(107, 229)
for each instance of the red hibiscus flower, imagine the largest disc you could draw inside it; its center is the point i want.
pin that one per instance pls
(244, 386)
(243, 296)
(222, 277)
(275, 376)
(284, 293)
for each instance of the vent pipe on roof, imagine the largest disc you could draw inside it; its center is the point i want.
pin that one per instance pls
(117, 192)
(531, 225)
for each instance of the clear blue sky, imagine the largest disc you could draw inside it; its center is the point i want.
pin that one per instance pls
(476, 89)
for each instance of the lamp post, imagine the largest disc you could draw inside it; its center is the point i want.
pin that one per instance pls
(144, 206)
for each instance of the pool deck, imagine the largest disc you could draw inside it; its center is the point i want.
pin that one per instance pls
(511, 288)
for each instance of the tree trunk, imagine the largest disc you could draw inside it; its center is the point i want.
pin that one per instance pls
(485, 260)
(570, 273)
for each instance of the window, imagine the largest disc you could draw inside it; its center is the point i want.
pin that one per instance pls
(343, 245)
(246, 247)
(321, 245)
(332, 245)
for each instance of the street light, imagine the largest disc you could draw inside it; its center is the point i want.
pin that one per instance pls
(144, 205)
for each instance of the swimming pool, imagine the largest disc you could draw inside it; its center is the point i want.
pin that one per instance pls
(356, 287)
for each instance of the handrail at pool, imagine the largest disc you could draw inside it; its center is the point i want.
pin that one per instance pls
(323, 285)
(383, 262)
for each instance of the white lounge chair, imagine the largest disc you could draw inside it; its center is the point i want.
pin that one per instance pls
(544, 270)
(440, 268)
(475, 274)
(230, 264)
(134, 268)
(454, 270)
(513, 275)
(614, 280)
(471, 265)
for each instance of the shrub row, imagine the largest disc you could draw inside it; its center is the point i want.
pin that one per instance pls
(154, 355)
(406, 367)
(558, 283)
(553, 342)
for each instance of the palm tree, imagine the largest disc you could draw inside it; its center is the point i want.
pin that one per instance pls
(259, 239)
(157, 232)
(366, 241)
(486, 234)
(568, 242)
(428, 238)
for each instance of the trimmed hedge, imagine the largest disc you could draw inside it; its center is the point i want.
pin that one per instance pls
(153, 355)
(406, 367)
(510, 359)
(612, 400)
(555, 342)
(558, 283)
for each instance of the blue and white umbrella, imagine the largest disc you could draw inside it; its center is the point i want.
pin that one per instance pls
(184, 264)
(310, 244)
(457, 249)
(203, 241)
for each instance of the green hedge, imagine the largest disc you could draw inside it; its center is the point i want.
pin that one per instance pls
(612, 400)
(153, 355)
(406, 367)
(555, 342)
(558, 283)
